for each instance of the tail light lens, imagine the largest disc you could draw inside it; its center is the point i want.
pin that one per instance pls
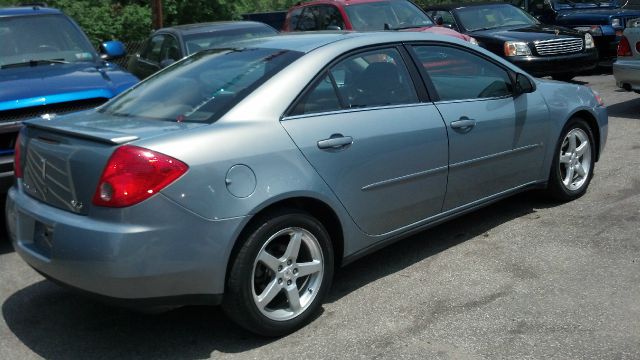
(624, 49)
(17, 164)
(134, 174)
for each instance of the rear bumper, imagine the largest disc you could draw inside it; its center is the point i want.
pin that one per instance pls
(627, 74)
(550, 65)
(173, 257)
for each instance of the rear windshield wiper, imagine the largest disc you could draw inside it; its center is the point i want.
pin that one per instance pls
(34, 63)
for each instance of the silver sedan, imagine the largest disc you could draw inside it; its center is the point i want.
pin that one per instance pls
(626, 69)
(244, 176)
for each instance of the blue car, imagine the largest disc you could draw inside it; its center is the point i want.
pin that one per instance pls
(48, 66)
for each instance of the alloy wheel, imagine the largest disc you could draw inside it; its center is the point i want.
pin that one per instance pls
(575, 159)
(287, 274)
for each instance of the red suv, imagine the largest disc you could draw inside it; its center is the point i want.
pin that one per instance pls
(363, 15)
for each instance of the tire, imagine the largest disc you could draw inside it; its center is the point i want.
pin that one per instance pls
(563, 76)
(575, 150)
(268, 292)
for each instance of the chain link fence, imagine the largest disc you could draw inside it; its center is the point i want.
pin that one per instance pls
(133, 48)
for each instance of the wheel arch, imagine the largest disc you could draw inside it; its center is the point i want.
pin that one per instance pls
(319, 209)
(593, 126)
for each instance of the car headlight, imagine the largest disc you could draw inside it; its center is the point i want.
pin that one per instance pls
(588, 41)
(594, 30)
(516, 48)
(473, 40)
(615, 22)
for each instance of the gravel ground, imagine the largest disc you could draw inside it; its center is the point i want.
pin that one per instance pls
(523, 278)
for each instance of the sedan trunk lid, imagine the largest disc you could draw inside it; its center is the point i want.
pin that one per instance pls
(64, 158)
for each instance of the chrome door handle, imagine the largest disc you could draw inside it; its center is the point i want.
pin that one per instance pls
(335, 142)
(463, 123)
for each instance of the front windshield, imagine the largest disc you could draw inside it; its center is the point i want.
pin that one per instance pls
(396, 14)
(491, 17)
(33, 39)
(208, 40)
(201, 87)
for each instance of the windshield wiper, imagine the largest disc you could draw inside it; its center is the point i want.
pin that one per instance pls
(388, 27)
(412, 27)
(35, 63)
(485, 28)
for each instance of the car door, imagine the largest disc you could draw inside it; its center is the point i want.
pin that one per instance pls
(496, 140)
(362, 126)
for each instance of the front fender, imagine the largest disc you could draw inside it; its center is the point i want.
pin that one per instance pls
(565, 101)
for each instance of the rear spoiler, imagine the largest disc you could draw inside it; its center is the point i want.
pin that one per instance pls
(113, 138)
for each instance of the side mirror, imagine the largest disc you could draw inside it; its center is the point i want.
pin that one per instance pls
(438, 20)
(523, 85)
(166, 62)
(112, 50)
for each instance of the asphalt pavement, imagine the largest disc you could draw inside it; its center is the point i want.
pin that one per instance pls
(523, 278)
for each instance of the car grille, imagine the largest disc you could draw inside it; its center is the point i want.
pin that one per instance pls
(558, 46)
(60, 108)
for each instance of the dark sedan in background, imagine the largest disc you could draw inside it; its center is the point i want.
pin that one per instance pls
(510, 32)
(171, 44)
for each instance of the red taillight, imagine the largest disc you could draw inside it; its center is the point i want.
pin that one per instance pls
(134, 174)
(17, 164)
(624, 49)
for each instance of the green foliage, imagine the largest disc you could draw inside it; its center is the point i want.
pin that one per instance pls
(250, 6)
(104, 20)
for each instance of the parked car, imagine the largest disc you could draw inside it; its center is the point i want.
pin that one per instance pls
(243, 176)
(626, 69)
(604, 20)
(510, 32)
(363, 15)
(47, 66)
(168, 45)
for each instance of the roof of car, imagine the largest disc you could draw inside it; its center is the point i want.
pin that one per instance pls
(464, 5)
(214, 26)
(303, 41)
(306, 41)
(28, 10)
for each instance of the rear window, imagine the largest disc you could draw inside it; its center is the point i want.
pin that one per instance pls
(202, 87)
(208, 40)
